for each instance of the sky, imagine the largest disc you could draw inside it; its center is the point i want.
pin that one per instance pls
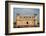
(25, 12)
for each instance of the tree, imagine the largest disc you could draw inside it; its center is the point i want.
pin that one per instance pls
(35, 14)
(18, 14)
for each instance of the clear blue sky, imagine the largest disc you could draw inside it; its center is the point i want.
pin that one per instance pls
(25, 11)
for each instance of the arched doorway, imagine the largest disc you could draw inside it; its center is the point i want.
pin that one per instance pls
(27, 22)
